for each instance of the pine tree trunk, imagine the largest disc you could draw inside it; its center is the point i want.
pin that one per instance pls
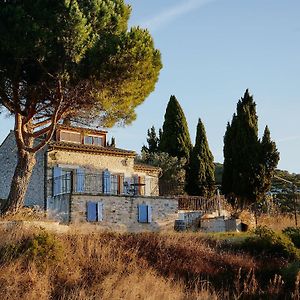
(20, 181)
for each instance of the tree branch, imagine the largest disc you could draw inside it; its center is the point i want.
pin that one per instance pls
(6, 102)
(55, 118)
(41, 123)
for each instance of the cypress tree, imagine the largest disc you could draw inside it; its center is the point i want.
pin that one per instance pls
(227, 175)
(201, 179)
(152, 141)
(175, 137)
(269, 161)
(241, 152)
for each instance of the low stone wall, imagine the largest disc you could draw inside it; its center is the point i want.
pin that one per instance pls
(120, 213)
(190, 218)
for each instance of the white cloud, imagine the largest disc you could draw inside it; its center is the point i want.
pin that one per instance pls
(171, 13)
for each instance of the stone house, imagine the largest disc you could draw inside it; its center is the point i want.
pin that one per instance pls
(79, 179)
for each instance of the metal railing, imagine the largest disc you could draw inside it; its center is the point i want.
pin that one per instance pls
(99, 183)
(200, 203)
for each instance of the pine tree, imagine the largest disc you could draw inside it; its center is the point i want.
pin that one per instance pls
(201, 179)
(241, 151)
(175, 137)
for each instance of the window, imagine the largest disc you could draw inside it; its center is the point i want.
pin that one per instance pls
(88, 140)
(61, 181)
(114, 184)
(67, 136)
(106, 182)
(98, 141)
(66, 181)
(93, 140)
(94, 211)
(144, 213)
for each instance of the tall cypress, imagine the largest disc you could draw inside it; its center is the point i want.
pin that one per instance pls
(201, 179)
(152, 140)
(241, 151)
(175, 137)
(269, 160)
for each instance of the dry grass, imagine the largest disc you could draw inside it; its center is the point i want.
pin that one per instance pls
(277, 222)
(25, 214)
(130, 266)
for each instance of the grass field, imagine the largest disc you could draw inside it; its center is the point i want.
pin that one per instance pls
(41, 265)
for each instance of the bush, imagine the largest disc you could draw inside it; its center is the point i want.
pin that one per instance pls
(266, 241)
(42, 246)
(294, 234)
(290, 273)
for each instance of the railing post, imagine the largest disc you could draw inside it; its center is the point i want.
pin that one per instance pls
(72, 182)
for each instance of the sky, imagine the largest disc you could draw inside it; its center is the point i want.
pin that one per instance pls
(212, 51)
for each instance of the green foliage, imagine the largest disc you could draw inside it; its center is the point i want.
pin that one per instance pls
(175, 137)
(39, 247)
(294, 234)
(268, 242)
(172, 179)
(152, 140)
(200, 179)
(218, 173)
(280, 184)
(103, 70)
(290, 273)
(73, 60)
(249, 163)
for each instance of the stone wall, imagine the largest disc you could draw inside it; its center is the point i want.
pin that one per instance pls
(58, 208)
(91, 161)
(8, 162)
(120, 213)
(95, 162)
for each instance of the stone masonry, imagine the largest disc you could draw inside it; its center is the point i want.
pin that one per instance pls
(120, 213)
(8, 162)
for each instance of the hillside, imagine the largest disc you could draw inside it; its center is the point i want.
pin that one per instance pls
(136, 266)
(276, 183)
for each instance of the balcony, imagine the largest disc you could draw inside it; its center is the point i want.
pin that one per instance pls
(101, 183)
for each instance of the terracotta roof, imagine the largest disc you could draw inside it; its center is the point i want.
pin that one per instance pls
(91, 148)
(80, 129)
(140, 166)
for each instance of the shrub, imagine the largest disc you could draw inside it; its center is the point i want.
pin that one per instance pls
(43, 246)
(290, 272)
(266, 241)
(40, 247)
(294, 234)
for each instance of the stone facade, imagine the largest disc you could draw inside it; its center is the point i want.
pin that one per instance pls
(135, 185)
(95, 163)
(90, 161)
(8, 162)
(120, 213)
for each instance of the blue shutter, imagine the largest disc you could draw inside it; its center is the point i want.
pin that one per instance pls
(80, 179)
(143, 213)
(106, 182)
(92, 211)
(57, 181)
(149, 208)
(100, 211)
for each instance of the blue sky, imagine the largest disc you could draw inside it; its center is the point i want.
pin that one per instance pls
(212, 50)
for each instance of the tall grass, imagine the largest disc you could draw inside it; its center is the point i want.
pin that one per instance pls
(40, 265)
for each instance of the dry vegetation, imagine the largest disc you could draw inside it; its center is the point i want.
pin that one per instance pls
(40, 265)
(277, 222)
